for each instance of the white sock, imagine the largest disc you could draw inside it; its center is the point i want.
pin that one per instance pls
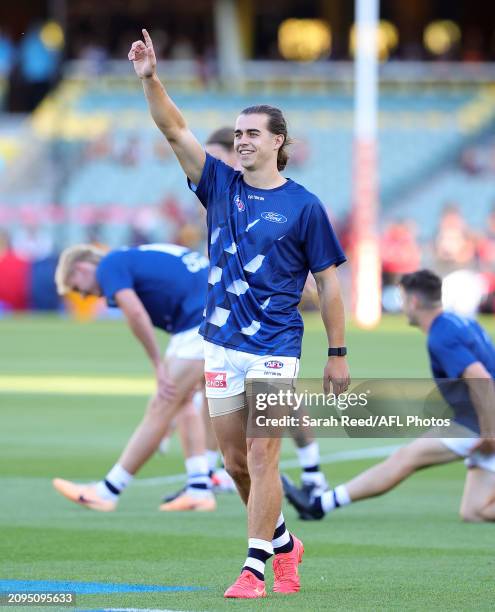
(309, 455)
(281, 537)
(259, 551)
(114, 483)
(198, 479)
(335, 498)
(212, 458)
(316, 479)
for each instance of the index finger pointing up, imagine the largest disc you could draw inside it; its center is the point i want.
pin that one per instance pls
(147, 38)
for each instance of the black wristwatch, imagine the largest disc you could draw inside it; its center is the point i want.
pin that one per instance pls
(340, 351)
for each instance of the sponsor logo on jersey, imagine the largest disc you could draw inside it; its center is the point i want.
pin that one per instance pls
(255, 197)
(274, 217)
(239, 203)
(274, 364)
(216, 380)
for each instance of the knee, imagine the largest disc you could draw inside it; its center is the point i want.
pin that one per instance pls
(405, 460)
(236, 466)
(159, 409)
(470, 515)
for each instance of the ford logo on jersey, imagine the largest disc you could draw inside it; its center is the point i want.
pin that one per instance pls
(239, 203)
(274, 217)
(274, 365)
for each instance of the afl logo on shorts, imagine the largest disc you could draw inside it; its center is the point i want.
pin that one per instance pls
(216, 380)
(274, 217)
(274, 365)
(239, 203)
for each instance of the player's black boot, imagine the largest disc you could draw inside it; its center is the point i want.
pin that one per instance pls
(302, 500)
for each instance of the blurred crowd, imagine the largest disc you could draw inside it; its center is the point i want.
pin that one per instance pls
(454, 247)
(456, 251)
(30, 65)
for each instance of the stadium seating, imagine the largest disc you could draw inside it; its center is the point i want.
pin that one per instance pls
(11, 128)
(104, 144)
(474, 195)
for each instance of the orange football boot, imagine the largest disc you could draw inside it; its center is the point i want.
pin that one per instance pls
(186, 502)
(286, 570)
(84, 495)
(247, 586)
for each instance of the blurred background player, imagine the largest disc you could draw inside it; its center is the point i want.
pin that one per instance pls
(236, 351)
(458, 348)
(163, 286)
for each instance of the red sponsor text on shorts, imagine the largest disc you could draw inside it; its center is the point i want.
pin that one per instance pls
(216, 380)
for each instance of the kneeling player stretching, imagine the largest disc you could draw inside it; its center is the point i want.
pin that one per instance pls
(459, 349)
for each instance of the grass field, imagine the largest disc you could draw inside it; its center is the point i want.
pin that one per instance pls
(70, 394)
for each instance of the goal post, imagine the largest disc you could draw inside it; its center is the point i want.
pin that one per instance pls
(365, 249)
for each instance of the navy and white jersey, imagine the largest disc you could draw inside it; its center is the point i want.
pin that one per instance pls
(170, 280)
(454, 343)
(262, 243)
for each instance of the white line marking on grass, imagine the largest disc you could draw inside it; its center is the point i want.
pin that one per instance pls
(338, 457)
(348, 455)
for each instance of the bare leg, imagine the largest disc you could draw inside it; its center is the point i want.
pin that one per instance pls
(302, 436)
(211, 439)
(253, 464)
(478, 500)
(379, 479)
(191, 430)
(265, 498)
(185, 373)
(230, 430)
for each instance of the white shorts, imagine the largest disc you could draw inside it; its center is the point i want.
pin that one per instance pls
(463, 446)
(186, 345)
(226, 369)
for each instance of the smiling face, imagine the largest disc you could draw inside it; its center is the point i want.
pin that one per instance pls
(254, 144)
(83, 279)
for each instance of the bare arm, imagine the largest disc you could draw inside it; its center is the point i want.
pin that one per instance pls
(482, 393)
(140, 323)
(332, 313)
(165, 113)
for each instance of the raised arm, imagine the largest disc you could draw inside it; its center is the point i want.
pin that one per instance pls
(165, 113)
(332, 312)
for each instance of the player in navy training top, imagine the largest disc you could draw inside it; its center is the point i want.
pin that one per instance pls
(220, 145)
(462, 359)
(265, 234)
(262, 242)
(156, 286)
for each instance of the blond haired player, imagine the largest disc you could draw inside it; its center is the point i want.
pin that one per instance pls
(160, 286)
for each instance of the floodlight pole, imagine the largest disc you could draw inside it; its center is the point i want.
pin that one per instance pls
(366, 267)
